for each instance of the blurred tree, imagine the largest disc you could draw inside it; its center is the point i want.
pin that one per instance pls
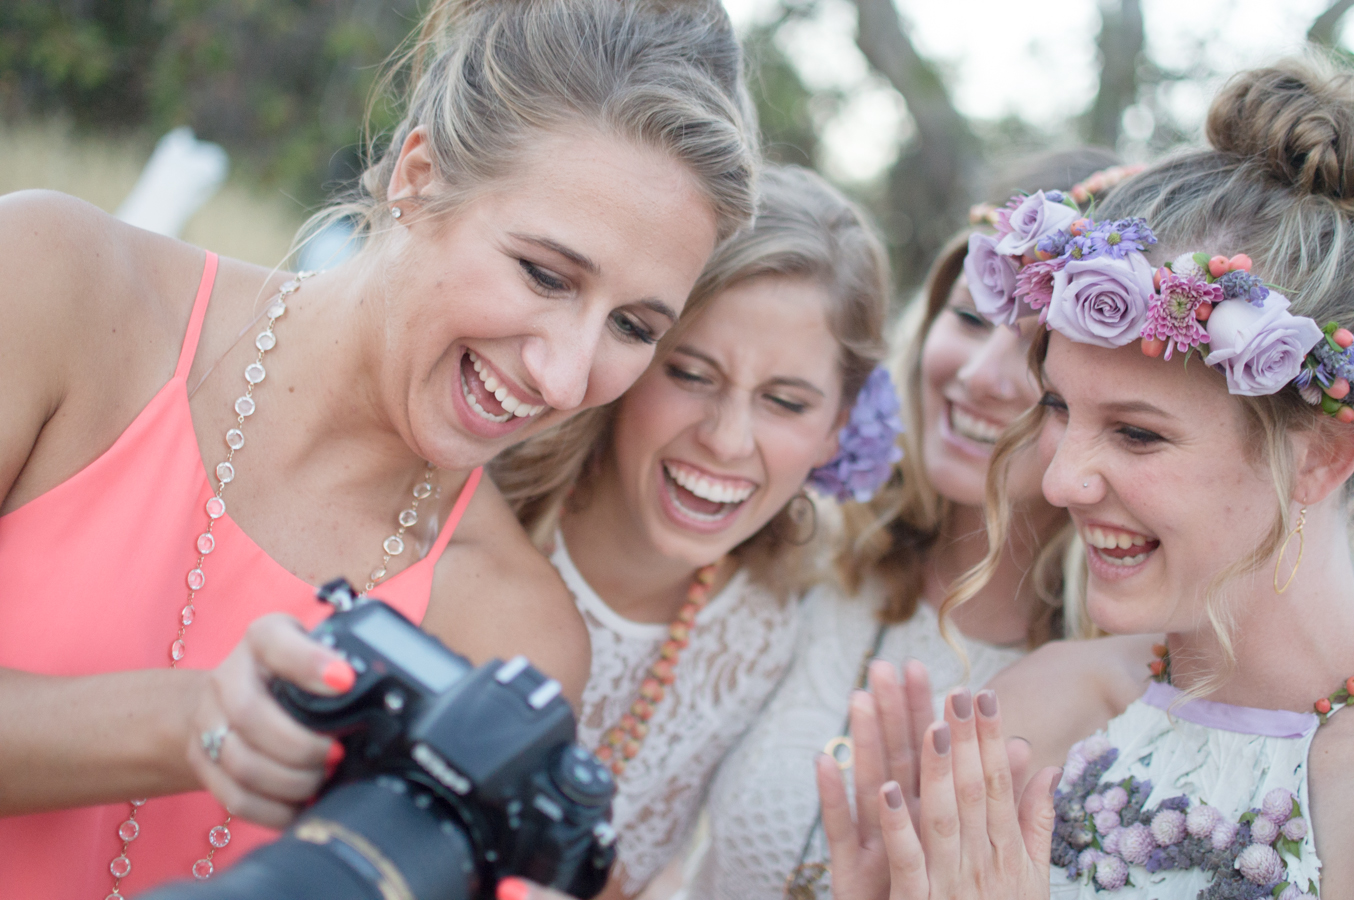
(1120, 45)
(281, 84)
(784, 104)
(1323, 30)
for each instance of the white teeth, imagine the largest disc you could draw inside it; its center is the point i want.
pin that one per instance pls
(512, 406)
(1124, 561)
(707, 488)
(972, 427)
(1113, 539)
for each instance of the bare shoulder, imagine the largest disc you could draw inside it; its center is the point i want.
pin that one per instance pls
(495, 595)
(1332, 801)
(1067, 690)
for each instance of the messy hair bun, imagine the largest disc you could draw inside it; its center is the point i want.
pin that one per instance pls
(1296, 119)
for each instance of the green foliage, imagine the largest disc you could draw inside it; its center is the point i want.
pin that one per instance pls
(784, 105)
(281, 84)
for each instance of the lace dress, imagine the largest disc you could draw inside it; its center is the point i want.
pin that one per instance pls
(740, 647)
(764, 800)
(1188, 799)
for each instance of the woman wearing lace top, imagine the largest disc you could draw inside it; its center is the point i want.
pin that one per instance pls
(964, 381)
(683, 531)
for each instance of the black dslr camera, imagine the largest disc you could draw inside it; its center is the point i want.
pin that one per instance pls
(453, 777)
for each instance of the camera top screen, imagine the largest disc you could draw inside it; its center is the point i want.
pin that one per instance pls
(415, 652)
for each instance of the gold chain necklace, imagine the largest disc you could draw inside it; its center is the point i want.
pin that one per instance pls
(219, 836)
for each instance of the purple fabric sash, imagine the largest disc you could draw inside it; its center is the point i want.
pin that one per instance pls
(1278, 723)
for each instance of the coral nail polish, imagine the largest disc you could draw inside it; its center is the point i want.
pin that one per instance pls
(513, 889)
(333, 758)
(338, 675)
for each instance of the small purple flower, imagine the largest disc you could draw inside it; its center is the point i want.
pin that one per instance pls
(1201, 820)
(1307, 385)
(1224, 834)
(1168, 827)
(867, 444)
(991, 278)
(1109, 841)
(1036, 217)
(1120, 238)
(1264, 831)
(1293, 892)
(1136, 844)
(1259, 350)
(1088, 858)
(1094, 804)
(1115, 798)
(1111, 873)
(1241, 285)
(1101, 301)
(1054, 244)
(1277, 806)
(1259, 864)
(1295, 829)
(1105, 821)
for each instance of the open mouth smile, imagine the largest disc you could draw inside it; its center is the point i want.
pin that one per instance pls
(1116, 546)
(701, 497)
(489, 398)
(974, 428)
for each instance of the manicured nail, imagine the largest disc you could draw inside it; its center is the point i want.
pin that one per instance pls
(339, 675)
(893, 795)
(333, 758)
(962, 702)
(987, 704)
(513, 889)
(1057, 780)
(940, 738)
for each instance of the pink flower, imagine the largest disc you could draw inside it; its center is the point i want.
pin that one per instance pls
(1277, 805)
(1136, 844)
(1293, 892)
(1264, 831)
(1168, 827)
(1109, 841)
(1295, 829)
(1223, 835)
(1111, 873)
(1094, 747)
(1034, 283)
(1259, 864)
(1075, 766)
(1106, 821)
(1170, 317)
(1094, 804)
(1115, 798)
(1088, 858)
(1201, 820)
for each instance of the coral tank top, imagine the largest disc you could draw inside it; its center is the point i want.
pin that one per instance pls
(92, 580)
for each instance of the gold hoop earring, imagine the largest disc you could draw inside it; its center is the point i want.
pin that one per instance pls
(1283, 548)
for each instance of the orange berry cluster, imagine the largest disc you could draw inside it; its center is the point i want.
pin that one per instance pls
(1341, 697)
(621, 743)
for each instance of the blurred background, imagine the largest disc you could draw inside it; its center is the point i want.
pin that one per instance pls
(910, 105)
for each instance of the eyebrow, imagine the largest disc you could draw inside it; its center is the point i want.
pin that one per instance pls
(592, 268)
(1138, 406)
(788, 382)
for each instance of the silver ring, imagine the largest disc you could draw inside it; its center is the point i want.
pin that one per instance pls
(212, 739)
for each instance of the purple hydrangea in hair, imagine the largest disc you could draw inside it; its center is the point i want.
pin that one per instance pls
(867, 444)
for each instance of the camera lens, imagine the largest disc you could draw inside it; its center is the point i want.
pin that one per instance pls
(580, 777)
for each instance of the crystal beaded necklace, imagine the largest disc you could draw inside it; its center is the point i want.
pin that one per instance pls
(254, 373)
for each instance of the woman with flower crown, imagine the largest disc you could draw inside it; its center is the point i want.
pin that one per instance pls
(562, 173)
(1198, 426)
(685, 534)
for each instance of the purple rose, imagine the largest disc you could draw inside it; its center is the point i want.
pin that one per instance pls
(1102, 300)
(1259, 349)
(1036, 217)
(991, 279)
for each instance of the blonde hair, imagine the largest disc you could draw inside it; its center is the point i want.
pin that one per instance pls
(891, 536)
(804, 228)
(1276, 184)
(486, 77)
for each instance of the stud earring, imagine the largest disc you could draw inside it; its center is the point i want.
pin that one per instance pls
(396, 212)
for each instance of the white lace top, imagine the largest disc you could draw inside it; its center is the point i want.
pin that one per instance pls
(764, 800)
(1246, 764)
(739, 649)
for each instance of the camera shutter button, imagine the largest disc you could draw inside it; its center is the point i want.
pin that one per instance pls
(394, 701)
(581, 778)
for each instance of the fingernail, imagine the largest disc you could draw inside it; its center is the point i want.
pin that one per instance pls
(513, 889)
(1057, 780)
(962, 702)
(339, 675)
(893, 795)
(940, 738)
(333, 758)
(987, 704)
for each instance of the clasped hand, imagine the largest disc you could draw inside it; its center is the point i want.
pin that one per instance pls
(941, 812)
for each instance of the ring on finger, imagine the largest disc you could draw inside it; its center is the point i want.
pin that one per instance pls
(212, 739)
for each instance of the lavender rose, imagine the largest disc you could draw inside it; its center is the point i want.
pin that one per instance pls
(1102, 300)
(991, 279)
(1036, 217)
(1259, 349)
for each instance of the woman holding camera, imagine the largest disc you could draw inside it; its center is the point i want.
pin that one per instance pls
(688, 537)
(564, 169)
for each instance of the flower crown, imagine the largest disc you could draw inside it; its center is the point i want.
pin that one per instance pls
(1090, 281)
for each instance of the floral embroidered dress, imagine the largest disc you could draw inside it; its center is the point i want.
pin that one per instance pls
(1188, 800)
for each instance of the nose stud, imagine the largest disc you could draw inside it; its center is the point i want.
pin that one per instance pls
(1085, 484)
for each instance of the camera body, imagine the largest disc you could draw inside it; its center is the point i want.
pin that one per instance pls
(494, 744)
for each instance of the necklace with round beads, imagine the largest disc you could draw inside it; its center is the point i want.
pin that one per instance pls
(219, 836)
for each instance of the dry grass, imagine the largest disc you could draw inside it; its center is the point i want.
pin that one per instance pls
(239, 221)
